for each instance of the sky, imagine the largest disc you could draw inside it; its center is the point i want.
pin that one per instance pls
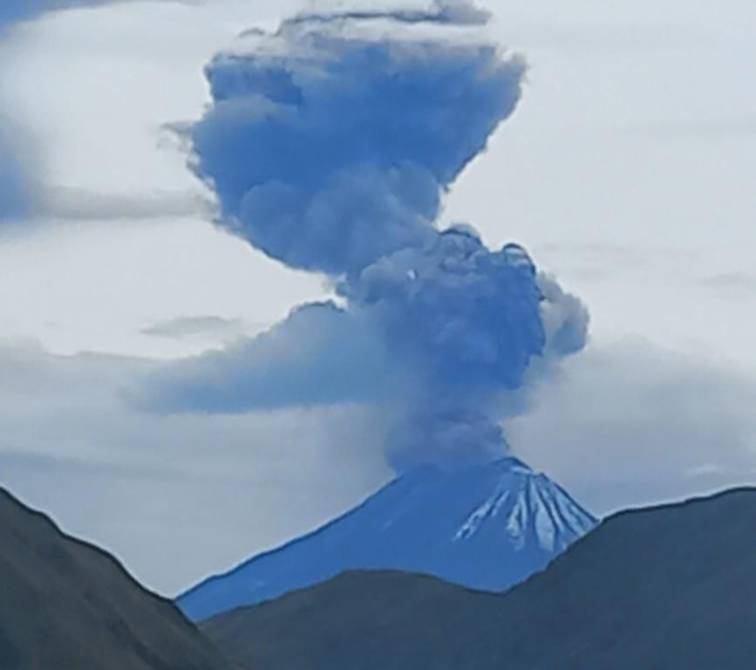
(626, 171)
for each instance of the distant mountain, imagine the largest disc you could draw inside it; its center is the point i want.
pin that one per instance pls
(65, 605)
(487, 527)
(672, 588)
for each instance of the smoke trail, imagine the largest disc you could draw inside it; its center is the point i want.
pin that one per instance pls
(330, 145)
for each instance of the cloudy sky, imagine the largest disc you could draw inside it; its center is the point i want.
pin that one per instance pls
(626, 171)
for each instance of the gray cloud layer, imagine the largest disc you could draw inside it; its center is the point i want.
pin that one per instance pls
(133, 482)
(21, 192)
(631, 424)
(14, 178)
(196, 326)
(82, 205)
(623, 426)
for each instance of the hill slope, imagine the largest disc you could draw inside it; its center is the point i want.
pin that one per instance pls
(671, 588)
(487, 527)
(65, 605)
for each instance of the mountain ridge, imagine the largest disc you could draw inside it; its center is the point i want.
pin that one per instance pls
(488, 526)
(68, 604)
(669, 587)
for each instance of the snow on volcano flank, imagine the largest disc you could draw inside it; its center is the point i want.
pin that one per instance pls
(486, 527)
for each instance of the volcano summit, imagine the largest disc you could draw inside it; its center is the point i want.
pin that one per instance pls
(486, 527)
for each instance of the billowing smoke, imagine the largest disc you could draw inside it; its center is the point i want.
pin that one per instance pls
(329, 149)
(330, 145)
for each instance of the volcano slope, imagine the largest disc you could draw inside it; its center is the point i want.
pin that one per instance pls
(485, 527)
(672, 588)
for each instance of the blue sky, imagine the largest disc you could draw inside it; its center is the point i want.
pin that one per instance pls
(626, 171)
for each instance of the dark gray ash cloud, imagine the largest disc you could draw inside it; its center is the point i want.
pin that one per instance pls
(330, 145)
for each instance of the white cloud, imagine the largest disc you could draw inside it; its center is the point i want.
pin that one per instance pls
(566, 171)
(175, 497)
(624, 425)
(178, 497)
(630, 424)
(97, 286)
(605, 186)
(96, 104)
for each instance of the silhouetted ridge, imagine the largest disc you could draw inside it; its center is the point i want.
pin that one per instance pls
(488, 527)
(66, 605)
(671, 587)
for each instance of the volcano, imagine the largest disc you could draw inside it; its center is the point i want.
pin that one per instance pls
(486, 527)
(669, 587)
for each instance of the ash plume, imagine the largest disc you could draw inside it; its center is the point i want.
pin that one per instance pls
(329, 149)
(330, 145)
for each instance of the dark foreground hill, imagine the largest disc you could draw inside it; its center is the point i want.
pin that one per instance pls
(671, 588)
(65, 605)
